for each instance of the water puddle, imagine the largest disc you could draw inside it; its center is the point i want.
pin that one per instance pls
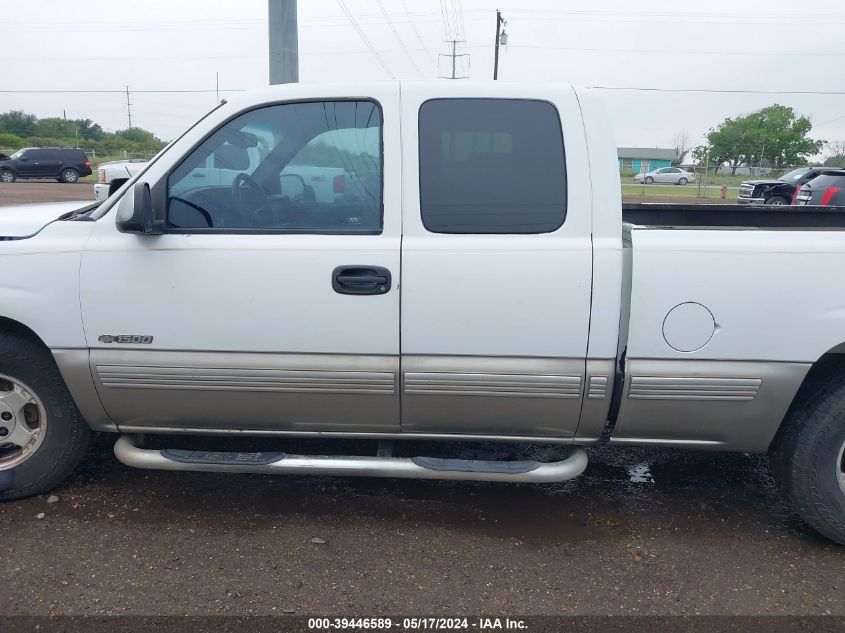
(640, 474)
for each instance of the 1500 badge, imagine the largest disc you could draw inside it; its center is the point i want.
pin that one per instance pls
(131, 339)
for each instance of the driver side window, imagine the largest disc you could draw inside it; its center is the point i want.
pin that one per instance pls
(311, 167)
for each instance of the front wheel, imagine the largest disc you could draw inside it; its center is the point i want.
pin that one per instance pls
(649, 180)
(7, 175)
(776, 201)
(807, 457)
(42, 434)
(70, 176)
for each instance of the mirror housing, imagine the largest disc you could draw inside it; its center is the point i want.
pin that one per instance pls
(137, 213)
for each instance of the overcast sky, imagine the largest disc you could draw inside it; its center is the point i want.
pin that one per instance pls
(754, 45)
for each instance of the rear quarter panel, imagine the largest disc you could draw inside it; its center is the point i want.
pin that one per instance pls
(778, 305)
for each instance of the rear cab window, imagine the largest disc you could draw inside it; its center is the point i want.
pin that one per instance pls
(491, 166)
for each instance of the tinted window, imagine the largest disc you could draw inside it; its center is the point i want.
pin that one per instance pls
(300, 167)
(71, 155)
(794, 176)
(36, 154)
(491, 166)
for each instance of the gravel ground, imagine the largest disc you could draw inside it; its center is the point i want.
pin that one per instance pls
(25, 192)
(643, 532)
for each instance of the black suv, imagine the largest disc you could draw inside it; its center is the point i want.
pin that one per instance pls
(65, 164)
(776, 192)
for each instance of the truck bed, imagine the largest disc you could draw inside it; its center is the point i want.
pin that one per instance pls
(732, 216)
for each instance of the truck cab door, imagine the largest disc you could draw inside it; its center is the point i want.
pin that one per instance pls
(254, 312)
(496, 263)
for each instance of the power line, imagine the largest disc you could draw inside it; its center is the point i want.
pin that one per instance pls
(632, 88)
(676, 53)
(119, 91)
(722, 91)
(365, 38)
(446, 24)
(417, 33)
(839, 118)
(398, 39)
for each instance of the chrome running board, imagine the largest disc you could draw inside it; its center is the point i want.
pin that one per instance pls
(130, 453)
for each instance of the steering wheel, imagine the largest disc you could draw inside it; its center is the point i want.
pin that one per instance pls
(258, 217)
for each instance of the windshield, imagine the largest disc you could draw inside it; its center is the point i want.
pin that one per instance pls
(17, 154)
(794, 175)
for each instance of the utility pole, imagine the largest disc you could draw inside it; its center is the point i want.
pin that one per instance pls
(454, 57)
(284, 42)
(128, 107)
(501, 38)
(217, 85)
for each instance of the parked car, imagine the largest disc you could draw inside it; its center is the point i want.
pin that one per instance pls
(826, 189)
(112, 175)
(65, 164)
(534, 310)
(776, 192)
(674, 175)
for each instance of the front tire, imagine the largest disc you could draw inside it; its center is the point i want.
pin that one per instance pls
(7, 176)
(649, 180)
(776, 201)
(70, 176)
(43, 436)
(807, 457)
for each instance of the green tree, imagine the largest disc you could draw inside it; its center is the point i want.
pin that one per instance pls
(54, 127)
(88, 129)
(836, 149)
(775, 133)
(140, 136)
(18, 122)
(10, 141)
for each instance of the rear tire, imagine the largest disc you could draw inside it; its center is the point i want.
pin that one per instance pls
(682, 181)
(776, 201)
(806, 456)
(64, 434)
(7, 176)
(70, 176)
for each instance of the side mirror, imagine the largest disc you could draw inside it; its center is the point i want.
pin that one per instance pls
(137, 213)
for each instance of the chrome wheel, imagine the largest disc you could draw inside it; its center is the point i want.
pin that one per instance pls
(23, 422)
(6, 176)
(840, 468)
(70, 176)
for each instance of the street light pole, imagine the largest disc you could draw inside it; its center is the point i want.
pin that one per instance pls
(501, 37)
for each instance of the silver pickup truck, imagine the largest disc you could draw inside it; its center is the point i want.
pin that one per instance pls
(479, 282)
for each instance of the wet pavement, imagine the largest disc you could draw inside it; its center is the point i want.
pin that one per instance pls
(641, 532)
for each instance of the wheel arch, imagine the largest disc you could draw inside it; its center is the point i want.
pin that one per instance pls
(73, 365)
(829, 364)
(8, 325)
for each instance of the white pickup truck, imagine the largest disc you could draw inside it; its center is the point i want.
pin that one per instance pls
(111, 176)
(483, 283)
